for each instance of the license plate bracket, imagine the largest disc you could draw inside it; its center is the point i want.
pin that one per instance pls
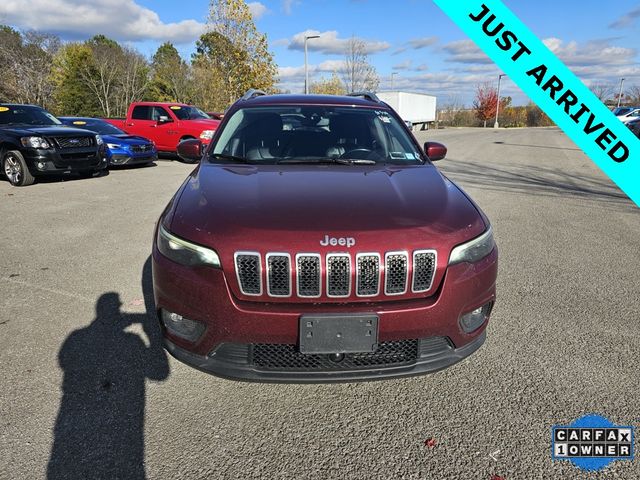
(338, 333)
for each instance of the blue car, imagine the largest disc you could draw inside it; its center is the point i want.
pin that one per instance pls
(122, 148)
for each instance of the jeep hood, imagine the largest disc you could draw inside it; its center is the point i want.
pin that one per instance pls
(291, 208)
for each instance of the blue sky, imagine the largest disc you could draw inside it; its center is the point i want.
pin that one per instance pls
(412, 38)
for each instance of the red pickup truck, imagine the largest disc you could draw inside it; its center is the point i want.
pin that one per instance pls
(167, 124)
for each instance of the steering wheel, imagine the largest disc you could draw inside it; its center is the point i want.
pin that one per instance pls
(357, 153)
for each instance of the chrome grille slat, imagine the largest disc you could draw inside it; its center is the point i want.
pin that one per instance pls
(424, 267)
(338, 275)
(367, 274)
(340, 271)
(249, 272)
(396, 270)
(278, 274)
(308, 275)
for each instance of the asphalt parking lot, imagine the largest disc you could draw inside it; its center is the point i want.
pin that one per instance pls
(564, 340)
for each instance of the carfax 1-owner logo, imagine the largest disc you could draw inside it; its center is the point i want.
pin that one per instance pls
(592, 442)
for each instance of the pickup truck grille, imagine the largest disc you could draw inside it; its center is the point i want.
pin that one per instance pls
(335, 274)
(73, 142)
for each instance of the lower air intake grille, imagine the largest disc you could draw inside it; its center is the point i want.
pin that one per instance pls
(249, 273)
(287, 357)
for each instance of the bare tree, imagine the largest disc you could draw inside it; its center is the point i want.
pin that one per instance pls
(632, 95)
(603, 91)
(358, 74)
(134, 79)
(26, 61)
(102, 75)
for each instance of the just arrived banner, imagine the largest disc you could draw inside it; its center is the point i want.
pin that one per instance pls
(553, 87)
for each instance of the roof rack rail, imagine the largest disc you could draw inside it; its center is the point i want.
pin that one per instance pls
(365, 94)
(252, 93)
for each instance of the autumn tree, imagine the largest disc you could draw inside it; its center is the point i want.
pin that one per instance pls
(328, 86)
(71, 94)
(233, 55)
(485, 102)
(358, 73)
(170, 76)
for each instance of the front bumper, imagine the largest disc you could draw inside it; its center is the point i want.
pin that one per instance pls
(54, 162)
(127, 158)
(235, 328)
(234, 364)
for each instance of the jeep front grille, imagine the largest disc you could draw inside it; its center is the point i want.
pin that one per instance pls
(336, 274)
(308, 275)
(424, 265)
(249, 272)
(396, 272)
(278, 274)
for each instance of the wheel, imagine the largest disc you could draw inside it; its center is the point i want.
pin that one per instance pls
(16, 170)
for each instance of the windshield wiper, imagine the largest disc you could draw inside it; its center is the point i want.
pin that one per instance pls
(233, 158)
(338, 161)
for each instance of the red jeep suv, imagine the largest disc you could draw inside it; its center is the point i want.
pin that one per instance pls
(317, 242)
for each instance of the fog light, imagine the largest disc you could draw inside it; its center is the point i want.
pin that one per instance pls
(473, 320)
(41, 165)
(182, 327)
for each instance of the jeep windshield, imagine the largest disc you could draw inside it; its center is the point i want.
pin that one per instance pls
(316, 134)
(26, 115)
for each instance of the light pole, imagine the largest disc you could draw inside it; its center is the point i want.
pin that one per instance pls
(620, 94)
(392, 84)
(306, 67)
(495, 125)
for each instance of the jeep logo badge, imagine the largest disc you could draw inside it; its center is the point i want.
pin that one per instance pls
(342, 241)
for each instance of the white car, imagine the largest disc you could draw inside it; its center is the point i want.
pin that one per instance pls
(626, 114)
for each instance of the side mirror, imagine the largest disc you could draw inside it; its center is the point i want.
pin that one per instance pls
(190, 150)
(435, 151)
(163, 119)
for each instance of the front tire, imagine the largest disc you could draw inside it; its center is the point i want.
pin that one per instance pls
(15, 169)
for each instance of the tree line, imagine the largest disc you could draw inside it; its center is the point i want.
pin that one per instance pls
(101, 77)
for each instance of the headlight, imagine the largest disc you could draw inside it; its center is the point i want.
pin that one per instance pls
(113, 146)
(99, 140)
(474, 250)
(207, 134)
(34, 142)
(183, 252)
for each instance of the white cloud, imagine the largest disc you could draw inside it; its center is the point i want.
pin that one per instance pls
(592, 53)
(287, 6)
(330, 43)
(627, 20)
(257, 9)
(406, 65)
(123, 20)
(465, 51)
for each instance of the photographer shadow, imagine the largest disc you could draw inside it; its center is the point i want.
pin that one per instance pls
(99, 431)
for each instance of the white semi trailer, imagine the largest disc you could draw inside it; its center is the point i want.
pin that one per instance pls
(417, 108)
